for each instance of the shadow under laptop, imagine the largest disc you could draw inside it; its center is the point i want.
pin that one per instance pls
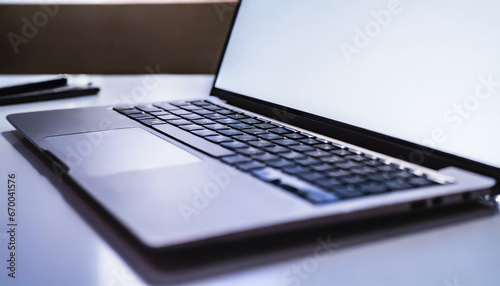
(165, 267)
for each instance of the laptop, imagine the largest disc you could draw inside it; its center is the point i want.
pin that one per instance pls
(321, 112)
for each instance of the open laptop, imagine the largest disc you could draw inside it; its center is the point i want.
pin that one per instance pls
(321, 112)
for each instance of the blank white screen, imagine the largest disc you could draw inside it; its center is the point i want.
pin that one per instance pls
(419, 61)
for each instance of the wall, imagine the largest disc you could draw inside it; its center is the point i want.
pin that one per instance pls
(113, 39)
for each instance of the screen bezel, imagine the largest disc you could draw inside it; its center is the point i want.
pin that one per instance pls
(379, 142)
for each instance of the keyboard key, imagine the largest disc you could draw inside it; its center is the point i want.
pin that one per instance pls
(190, 127)
(307, 161)
(216, 126)
(254, 131)
(245, 137)
(234, 159)
(141, 116)
(166, 106)
(332, 159)
(250, 166)
(396, 184)
(318, 153)
(311, 176)
(295, 136)
(326, 147)
(215, 116)
(191, 116)
(179, 103)
(292, 155)
(264, 125)
(373, 188)
(380, 177)
(267, 174)
(279, 130)
(169, 117)
(240, 126)
(346, 191)
(280, 163)
(296, 169)
(152, 121)
(419, 182)
(348, 165)
(270, 136)
(203, 112)
(212, 107)
(178, 122)
(190, 139)
(321, 167)
(374, 163)
(148, 108)
(237, 116)
(337, 173)
(295, 185)
(341, 152)
(266, 157)
(309, 141)
(200, 103)
(225, 111)
(218, 138)
(123, 107)
(251, 121)
(234, 145)
(277, 149)
(159, 113)
(190, 107)
(353, 179)
(204, 121)
(328, 182)
(250, 151)
(205, 132)
(179, 111)
(357, 158)
(227, 121)
(319, 197)
(260, 143)
(403, 174)
(286, 142)
(388, 168)
(230, 132)
(363, 170)
(301, 148)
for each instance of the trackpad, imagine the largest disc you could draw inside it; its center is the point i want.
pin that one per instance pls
(120, 150)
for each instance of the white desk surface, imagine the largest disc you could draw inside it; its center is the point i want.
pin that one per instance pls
(56, 246)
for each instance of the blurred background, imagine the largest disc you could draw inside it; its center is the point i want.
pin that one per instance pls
(112, 37)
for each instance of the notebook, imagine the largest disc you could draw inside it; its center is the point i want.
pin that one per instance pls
(321, 112)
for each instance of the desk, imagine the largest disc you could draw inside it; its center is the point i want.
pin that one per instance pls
(57, 246)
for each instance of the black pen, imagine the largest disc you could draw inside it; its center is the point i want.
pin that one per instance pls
(48, 94)
(34, 86)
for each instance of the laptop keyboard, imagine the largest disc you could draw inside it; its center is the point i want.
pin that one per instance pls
(315, 169)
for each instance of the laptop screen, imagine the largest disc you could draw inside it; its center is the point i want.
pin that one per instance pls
(427, 72)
